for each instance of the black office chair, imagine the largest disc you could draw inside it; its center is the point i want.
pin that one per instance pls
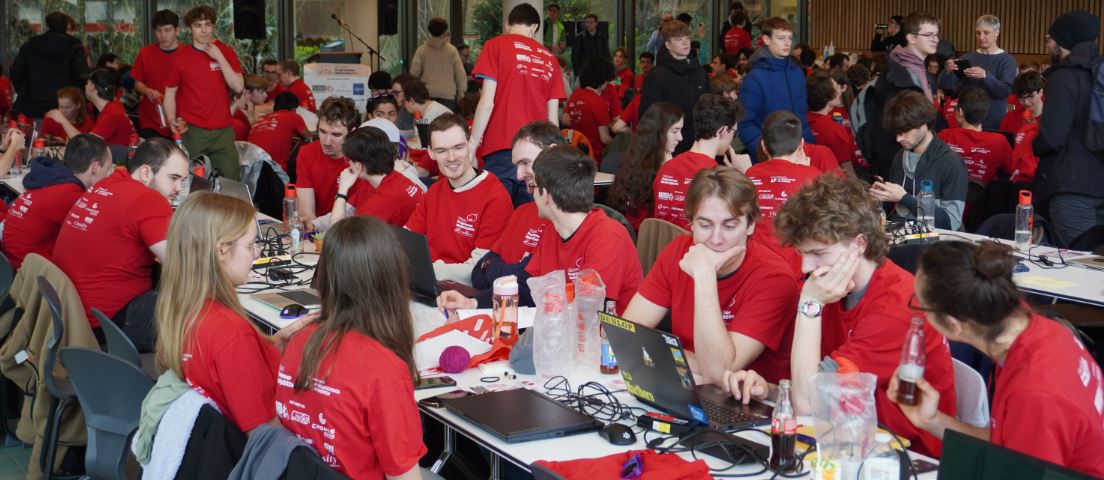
(117, 342)
(61, 390)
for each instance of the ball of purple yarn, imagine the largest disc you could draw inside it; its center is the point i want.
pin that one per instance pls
(455, 359)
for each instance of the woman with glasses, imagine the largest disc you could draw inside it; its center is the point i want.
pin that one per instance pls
(1048, 397)
(991, 69)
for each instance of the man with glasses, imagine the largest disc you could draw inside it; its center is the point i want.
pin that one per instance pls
(271, 69)
(905, 70)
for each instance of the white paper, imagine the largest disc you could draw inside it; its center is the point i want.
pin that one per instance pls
(427, 353)
(525, 315)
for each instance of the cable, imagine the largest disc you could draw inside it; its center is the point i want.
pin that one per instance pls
(591, 399)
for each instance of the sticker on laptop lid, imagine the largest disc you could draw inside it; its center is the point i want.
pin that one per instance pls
(676, 354)
(671, 340)
(698, 414)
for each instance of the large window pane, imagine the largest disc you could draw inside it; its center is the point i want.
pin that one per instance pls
(650, 12)
(314, 27)
(103, 26)
(224, 29)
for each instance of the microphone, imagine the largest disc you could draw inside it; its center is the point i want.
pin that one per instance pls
(335, 17)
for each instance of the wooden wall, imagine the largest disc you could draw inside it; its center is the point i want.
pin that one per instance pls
(1024, 23)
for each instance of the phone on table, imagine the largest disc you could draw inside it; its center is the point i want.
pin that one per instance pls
(435, 382)
(435, 401)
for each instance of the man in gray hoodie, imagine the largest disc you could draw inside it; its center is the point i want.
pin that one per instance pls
(438, 64)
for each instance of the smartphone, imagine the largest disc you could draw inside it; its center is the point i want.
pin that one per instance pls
(435, 402)
(881, 26)
(435, 382)
(962, 64)
(923, 466)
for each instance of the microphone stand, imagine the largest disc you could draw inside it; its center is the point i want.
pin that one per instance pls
(371, 51)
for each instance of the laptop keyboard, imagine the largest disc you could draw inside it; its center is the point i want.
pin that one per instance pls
(723, 415)
(302, 297)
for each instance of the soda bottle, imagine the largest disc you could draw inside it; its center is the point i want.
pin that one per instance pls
(291, 204)
(609, 360)
(38, 149)
(504, 302)
(783, 432)
(1024, 217)
(912, 363)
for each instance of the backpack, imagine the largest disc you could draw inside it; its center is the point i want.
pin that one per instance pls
(1094, 134)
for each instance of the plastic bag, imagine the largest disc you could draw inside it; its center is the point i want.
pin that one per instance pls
(553, 326)
(590, 298)
(845, 420)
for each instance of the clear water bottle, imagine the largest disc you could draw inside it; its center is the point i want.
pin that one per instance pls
(504, 302)
(911, 368)
(161, 118)
(292, 222)
(925, 205)
(1024, 218)
(883, 463)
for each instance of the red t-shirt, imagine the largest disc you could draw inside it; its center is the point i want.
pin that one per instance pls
(1024, 161)
(821, 158)
(6, 97)
(612, 95)
(103, 246)
(316, 170)
(1048, 399)
(758, 300)
(113, 125)
(671, 183)
(776, 181)
(631, 114)
(54, 129)
(1014, 119)
(240, 122)
(304, 93)
(601, 244)
(270, 96)
(34, 219)
(834, 136)
(228, 361)
(522, 233)
(841, 116)
(870, 336)
(627, 78)
(983, 152)
(589, 111)
(393, 201)
(736, 39)
(150, 69)
(202, 98)
(359, 413)
(273, 133)
(526, 77)
(639, 82)
(949, 106)
(458, 221)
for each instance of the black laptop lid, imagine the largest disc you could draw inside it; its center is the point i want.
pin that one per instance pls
(423, 282)
(968, 457)
(520, 415)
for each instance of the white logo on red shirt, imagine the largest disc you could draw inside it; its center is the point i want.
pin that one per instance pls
(533, 236)
(466, 225)
(412, 190)
(215, 67)
(666, 196)
(1083, 372)
(726, 313)
(300, 417)
(668, 180)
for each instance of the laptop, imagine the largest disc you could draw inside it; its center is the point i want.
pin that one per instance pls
(307, 297)
(1095, 262)
(656, 372)
(423, 282)
(520, 415)
(968, 457)
(234, 189)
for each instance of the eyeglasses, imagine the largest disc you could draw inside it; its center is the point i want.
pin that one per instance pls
(914, 304)
(253, 247)
(929, 36)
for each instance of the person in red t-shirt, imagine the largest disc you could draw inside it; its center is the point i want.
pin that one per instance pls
(1047, 400)
(6, 93)
(626, 122)
(239, 119)
(736, 38)
(653, 144)
(71, 104)
(151, 76)
(854, 307)
(514, 93)
(52, 187)
(647, 63)
(464, 213)
(584, 237)
(112, 125)
(624, 72)
(824, 96)
(984, 153)
(114, 234)
(351, 370)
(277, 132)
(289, 77)
(271, 70)
(197, 93)
(716, 117)
(731, 301)
(587, 111)
(1028, 87)
(319, 163)
(378, 189)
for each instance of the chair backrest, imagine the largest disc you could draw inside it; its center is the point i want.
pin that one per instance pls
(119, 154)
(110, 391)
(57, 333)
(7, 275)
(117, 342)
(971, 397)
(614, 214)
(655, 234)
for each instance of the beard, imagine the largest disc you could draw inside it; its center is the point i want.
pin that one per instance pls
(1055, 54)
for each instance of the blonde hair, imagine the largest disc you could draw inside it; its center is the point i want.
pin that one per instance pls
(192, 274)
(990, 21)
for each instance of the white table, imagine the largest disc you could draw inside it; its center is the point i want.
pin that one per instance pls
(603, 179)
(16, 182)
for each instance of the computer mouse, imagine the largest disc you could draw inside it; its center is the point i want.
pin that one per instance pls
(293, 311)
(618, 434)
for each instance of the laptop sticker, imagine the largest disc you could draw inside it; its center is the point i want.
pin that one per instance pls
(671, 340)
(648, 362)
(698, 414)
(677, 355)
(616, 322)
(684, 375)
(639, 392)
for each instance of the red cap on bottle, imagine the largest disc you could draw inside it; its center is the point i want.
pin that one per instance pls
(1025, 197)
(199, 171)
(40, 143)
(289, 190)
(177, 137)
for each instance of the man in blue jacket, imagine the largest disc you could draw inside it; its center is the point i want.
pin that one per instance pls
(774, 83)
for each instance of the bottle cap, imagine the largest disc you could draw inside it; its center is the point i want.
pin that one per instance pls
(926, 185)
(505, 285)
(289, 191)
(177, 137)
(40, 143)
(1025, 197)
(883, 437)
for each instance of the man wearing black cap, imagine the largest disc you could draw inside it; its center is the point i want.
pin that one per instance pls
(112, 124)
(1068, 178)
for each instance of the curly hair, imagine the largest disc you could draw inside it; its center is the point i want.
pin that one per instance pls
(833, 209)
(632, 184)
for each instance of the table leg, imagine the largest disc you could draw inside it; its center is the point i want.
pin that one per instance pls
(496, 466)
(446, 453)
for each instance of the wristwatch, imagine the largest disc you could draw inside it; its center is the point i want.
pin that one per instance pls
(810, 309)
(341, 196)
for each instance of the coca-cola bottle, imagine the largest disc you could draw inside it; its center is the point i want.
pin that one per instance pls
(912, 363)
(783, 432)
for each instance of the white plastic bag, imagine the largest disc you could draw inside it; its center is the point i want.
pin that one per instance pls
(845, 420)
(590, 298)
(553, 326)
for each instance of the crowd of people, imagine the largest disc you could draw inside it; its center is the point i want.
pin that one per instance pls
(781, 170)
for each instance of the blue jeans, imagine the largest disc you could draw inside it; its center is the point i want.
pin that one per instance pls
(501, 165)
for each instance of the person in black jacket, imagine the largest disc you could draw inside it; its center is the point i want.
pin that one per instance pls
(890, 37)
(45, 64)
(1069, 174)
(591, 43)
(676, 78)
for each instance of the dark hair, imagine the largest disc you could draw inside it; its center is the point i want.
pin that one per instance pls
(84, 149)
(370, 147)
(437, 26)
(685, 18)
(362, 279)
(374, 103)
(781, 133)
(969, 282)
(106, 58)
(857, 76)
(524, 14)
(155, 151)
(269, 61)
(739, 18)
(1027, 83)
(416, 90)
(290, 65)
(836, 60)
(820, 91)
(807, 56)
(567, 174)
(727, 184)
(540, 133)
(713, 112)
(595, 72)
(57, 22)
(648, 55)
(840, 77)
(165, 17)
(907, 111)
(460, 47)
(897, 18)
(379, 80)
(1030, 65)
(446, 121)
(339, 110)
(590, 16)
(974, 105)
(831, 209)
(105, 81)
(552, 5)
(935, 57)
(911, 24)
(632, 184)
(769, 25)
(285, 100)
(730, 60)
(402, 79)
(202, 12)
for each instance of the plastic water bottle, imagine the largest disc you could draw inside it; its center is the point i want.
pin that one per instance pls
(292, 221)
(883, 463)
(504, 301)
(1024, 221)
(925, 206)
(161, 118)
(911, 368)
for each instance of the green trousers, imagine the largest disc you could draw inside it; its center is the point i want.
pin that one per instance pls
(218, 145)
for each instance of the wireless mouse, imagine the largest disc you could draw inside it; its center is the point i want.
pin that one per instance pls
(618, 434)
(293, 311)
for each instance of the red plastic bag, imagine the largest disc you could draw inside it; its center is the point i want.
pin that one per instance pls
(654, 466)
